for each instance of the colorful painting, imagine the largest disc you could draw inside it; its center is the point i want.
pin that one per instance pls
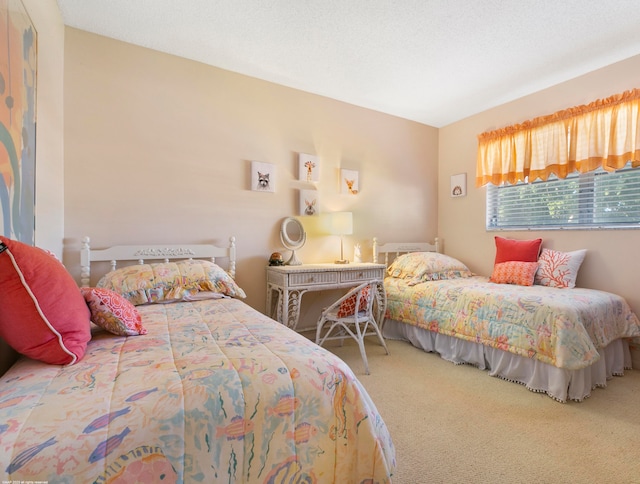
(17, 122)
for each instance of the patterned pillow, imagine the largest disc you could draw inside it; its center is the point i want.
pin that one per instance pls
(427, 266)
(514, 272)
(169, 281)
(348, 306)
(112, 312)
(559, 269)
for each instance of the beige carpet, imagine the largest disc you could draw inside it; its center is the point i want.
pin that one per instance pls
(456, 424)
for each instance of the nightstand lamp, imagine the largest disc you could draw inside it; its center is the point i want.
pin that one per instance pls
(341, 223)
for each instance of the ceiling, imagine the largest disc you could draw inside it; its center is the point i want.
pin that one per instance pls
(430, 61)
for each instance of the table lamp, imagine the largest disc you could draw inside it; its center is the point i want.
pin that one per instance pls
(341, 223)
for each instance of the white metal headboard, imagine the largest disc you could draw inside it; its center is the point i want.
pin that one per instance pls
(142, 253)
(389, 251)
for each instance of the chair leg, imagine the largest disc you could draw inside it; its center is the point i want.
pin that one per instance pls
(319, 330)
(363, 353)
(379, 333)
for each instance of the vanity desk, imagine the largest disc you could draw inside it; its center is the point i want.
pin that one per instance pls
(286, 285)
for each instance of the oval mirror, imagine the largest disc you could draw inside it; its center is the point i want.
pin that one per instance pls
(293, 237)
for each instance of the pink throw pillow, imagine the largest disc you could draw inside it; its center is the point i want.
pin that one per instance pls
(112, 312)
(514, 272)
(517, 250)
(42, 312)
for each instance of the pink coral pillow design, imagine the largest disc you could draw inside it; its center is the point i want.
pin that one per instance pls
(514, 272)
(112, 312)
(559, 269)
(42, 313)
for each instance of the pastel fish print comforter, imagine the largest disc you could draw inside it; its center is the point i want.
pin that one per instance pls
(559, 326)
(214, 392)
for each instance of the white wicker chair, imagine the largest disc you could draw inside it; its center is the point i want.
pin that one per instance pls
(360, 323)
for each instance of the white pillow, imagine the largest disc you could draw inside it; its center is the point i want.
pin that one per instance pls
(559, 269)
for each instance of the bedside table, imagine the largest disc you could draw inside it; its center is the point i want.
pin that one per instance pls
(289, 283)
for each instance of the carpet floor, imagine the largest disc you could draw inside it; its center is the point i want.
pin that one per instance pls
(456, 424)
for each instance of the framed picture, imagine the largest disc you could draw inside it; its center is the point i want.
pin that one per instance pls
(308, 168)
(263, 177)
(18, 65)
(309, 202)
(459, 185)
(349, 182)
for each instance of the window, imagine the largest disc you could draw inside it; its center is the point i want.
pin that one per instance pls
(593, 200)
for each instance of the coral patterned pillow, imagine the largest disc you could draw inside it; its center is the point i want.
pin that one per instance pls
(559, 269)
(514, 272)
(112, 312)
(348, 306)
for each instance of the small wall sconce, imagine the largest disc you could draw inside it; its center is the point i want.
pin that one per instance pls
(341, 223)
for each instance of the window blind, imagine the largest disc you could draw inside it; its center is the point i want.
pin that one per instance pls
(593, 200)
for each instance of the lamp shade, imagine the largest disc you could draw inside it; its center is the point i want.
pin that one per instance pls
(341, 223)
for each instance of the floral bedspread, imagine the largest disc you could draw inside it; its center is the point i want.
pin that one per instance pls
(215, 392)
(561, 327)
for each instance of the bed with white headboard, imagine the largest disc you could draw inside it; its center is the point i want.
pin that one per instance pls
(560, 341)
(179, 380)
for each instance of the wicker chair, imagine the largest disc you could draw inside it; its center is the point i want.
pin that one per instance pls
(341, 319)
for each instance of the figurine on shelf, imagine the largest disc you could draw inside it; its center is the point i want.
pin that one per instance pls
(276, 259)
(357, 253)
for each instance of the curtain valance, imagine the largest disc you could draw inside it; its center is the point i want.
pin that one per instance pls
(604, 133)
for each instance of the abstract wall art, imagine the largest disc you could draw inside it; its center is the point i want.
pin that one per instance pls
(17, 122)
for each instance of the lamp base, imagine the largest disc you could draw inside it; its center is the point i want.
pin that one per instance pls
(341, 261)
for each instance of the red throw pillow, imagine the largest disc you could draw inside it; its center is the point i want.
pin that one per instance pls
(42, 312)
(517, 250)
(348, 306)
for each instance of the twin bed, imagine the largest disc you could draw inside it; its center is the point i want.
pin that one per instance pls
(201, 388)
(562, 341)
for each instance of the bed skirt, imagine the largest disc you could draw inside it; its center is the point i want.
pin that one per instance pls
(558, 383)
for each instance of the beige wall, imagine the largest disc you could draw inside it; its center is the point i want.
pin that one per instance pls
(158, 148)
(49, 118)
(611, 262)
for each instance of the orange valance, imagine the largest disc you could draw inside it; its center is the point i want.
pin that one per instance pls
(604, 133)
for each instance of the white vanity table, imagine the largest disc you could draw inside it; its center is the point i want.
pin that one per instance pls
(287, 284)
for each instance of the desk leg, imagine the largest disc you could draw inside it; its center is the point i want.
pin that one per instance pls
(273, 309)
(380, 304)
(291, 310)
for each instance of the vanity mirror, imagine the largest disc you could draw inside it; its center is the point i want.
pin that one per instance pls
(293, 237)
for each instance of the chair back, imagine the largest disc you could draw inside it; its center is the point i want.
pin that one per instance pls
(357, 303)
